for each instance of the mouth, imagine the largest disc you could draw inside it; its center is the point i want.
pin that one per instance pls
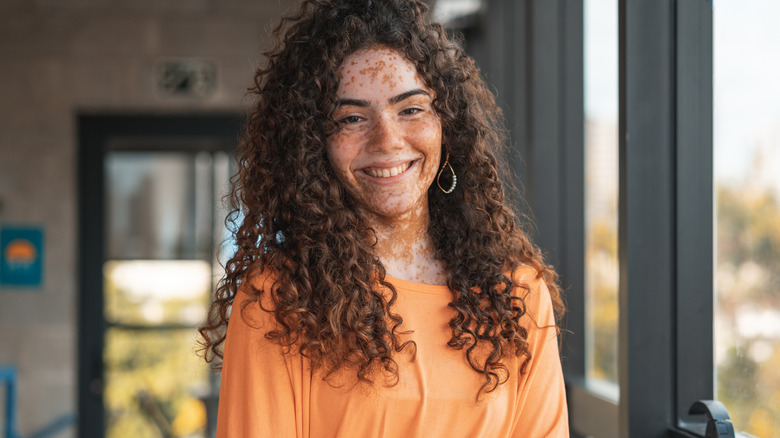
(388, 172)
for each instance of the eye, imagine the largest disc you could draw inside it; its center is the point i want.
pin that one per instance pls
(350, 119)
(411, 111)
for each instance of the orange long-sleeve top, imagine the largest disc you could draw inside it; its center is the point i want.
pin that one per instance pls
(266, 392)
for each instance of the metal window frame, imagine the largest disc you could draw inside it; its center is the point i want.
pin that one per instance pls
(666, 215)
(646, 231)
(695, 377)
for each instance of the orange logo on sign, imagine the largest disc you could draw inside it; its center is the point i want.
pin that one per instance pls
(20, 251)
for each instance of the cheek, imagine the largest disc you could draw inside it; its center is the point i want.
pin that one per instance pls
(341, 152)
(430, 128)
(336, 155)
(428, 136)
(349, 141)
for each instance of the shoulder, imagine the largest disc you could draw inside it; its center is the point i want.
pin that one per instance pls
(526, 274)
(254, 302)
(531, 288)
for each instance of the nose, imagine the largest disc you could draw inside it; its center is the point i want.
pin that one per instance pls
(387, 135)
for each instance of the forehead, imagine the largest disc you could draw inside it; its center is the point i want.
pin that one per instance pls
(377, 69)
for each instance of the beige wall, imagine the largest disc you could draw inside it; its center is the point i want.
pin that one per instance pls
(62, 57)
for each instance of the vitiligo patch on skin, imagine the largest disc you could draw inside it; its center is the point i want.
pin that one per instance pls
(386, 153)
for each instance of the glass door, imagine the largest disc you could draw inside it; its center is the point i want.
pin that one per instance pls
(162, 225)
(151, 228)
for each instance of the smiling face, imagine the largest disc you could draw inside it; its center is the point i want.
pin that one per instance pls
(388, 146)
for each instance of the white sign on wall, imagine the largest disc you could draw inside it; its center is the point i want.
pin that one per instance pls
(186, 77)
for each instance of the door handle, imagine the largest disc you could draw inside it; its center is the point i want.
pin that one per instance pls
(718, 423)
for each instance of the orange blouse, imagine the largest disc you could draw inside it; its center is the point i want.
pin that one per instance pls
(265, 393)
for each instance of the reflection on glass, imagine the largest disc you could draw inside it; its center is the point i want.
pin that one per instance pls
(601, 194)
(158, 205)
(156, 291)
(747, 190)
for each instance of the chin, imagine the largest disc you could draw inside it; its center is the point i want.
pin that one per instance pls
(389, 213)
(398, 210)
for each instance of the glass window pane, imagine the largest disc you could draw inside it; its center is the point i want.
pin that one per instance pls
(158, 205)
(152, 292)
(601, 193)
(155, 384)
(747, 190)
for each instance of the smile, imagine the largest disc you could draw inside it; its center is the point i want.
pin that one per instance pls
(388, 172)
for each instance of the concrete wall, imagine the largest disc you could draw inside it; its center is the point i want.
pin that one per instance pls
(62, 57)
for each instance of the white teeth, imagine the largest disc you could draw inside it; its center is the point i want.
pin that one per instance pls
(386, 173)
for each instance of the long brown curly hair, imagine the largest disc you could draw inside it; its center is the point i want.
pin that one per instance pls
(292, 216)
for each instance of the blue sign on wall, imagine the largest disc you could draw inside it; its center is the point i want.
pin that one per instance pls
(21, 256)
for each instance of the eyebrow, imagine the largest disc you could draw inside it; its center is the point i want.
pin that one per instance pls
(392, 100)
(408, 94)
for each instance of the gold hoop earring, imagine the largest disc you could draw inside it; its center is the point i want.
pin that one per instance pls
(454, 177)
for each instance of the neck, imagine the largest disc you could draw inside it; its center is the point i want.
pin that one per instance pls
(405, 247)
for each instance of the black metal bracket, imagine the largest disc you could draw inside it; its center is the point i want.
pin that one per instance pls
(718, 422)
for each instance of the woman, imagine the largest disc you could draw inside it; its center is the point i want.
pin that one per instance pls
(380, 287)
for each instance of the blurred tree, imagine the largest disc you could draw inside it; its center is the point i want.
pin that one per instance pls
(748, 287)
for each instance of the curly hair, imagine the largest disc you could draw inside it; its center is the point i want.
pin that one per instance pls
(292, 216)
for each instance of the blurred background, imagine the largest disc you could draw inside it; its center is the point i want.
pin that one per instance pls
(118, 120)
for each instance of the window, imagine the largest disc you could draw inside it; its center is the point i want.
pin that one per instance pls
(601, 195)
(747, 190)
(664, 240)
(533, 53)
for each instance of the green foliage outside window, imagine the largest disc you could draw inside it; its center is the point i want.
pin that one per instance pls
(748, 306)
(154, 379)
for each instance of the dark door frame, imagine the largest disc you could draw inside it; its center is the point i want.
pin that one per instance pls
(95, 131)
